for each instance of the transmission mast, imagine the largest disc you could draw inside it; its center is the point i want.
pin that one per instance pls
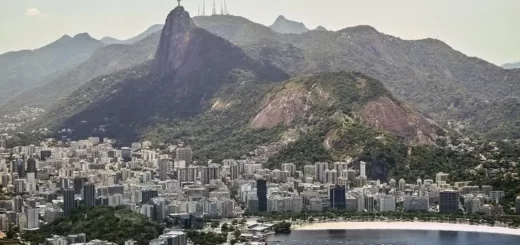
(214, 12)
(204, 8)
(225, 7)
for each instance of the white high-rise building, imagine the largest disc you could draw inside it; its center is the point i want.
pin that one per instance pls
(472, 204)
(165, 166)
(32, 217)
(386, 203)
(331, 176)
(211, 172)
(252, 168)
(147, 210)
(31, 182)
(362, 169)
(20, 185)
(441, 178)
(402, 184)
(369, 203)
(319, 171)
(115, 200)
(187, 174)
(234, 171)
(290, 167)
(340, 166)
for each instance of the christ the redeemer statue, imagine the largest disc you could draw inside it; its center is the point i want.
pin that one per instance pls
(179, 2)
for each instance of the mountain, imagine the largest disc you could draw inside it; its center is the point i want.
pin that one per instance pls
(25, 69)
(202, 90)
(428, 74)
(511, 65)
(104, 61)
(190, 65)
(283, 25)
(146, 33)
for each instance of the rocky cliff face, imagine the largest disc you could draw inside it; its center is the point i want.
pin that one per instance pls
(306, 98)
(386, 115)
(173, 46)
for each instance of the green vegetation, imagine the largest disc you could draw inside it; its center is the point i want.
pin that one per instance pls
(222, 130)
(282, 227)
(114, 224)
(24, 139)
(497, 120)
(206, 238)
(306, 150)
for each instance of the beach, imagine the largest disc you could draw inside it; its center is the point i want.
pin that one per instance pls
(395, 225)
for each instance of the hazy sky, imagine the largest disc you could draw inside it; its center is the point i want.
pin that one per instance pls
(489, 29)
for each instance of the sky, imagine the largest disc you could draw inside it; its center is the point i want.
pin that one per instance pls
(488, 29)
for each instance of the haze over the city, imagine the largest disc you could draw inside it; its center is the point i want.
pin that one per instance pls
(482, 28)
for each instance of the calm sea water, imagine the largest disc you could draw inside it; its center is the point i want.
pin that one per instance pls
(391, 237)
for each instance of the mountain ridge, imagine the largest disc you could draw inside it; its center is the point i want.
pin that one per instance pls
(428, 74)
(22, 70)
(149, 31)
(511, 65)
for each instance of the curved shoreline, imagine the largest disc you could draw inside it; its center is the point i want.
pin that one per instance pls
(396, 225)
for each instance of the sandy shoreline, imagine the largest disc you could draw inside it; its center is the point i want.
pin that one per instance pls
(395, 225)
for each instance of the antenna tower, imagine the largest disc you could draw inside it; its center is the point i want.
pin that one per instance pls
(214, 12)
(225, 7)
(204, 8)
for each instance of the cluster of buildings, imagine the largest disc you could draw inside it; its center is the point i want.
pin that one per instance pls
(53, 179)
(337, 186)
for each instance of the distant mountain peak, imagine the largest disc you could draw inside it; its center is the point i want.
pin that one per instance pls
(82, 36)
(280, 18)
(511, 65)
(283, 25)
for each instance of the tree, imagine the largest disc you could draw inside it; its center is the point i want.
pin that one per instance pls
(234, 222)
(11, 233)
(282, 227)
(237, 234)
(215, 224)
(225, 227)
